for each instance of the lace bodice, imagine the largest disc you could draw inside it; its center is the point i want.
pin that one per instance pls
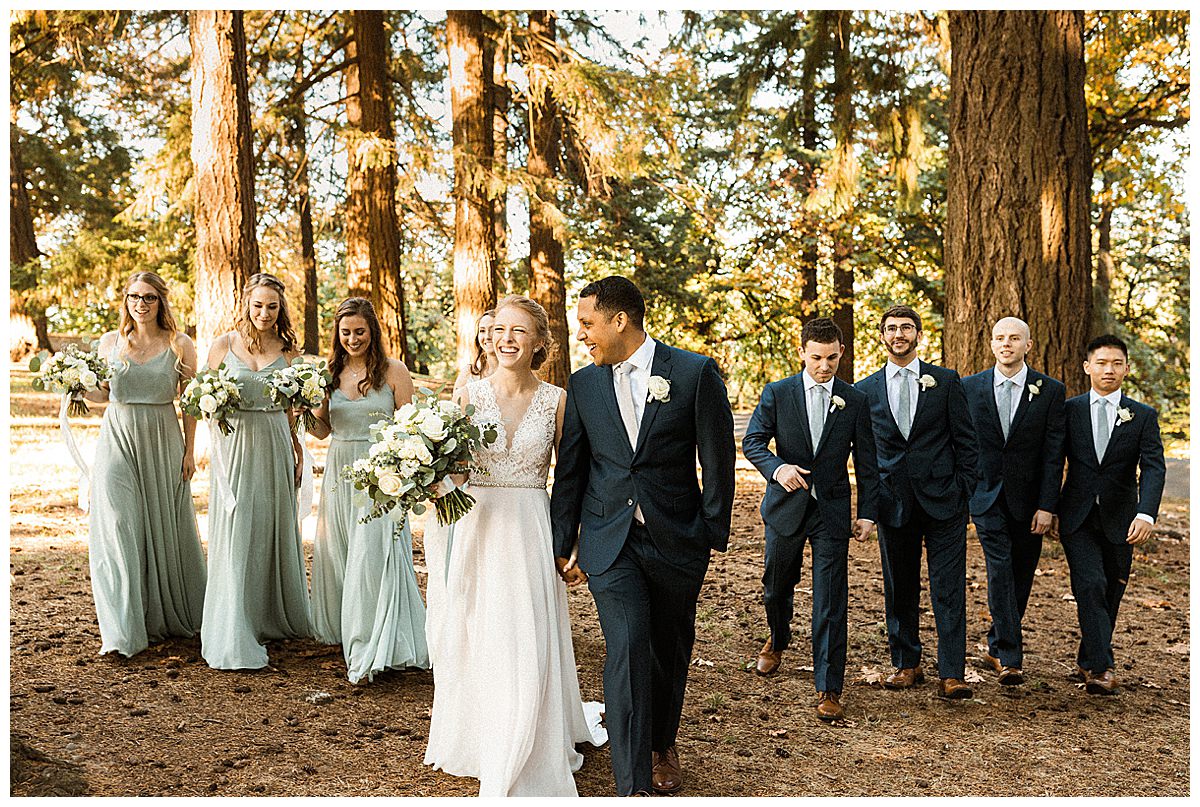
(527, 462)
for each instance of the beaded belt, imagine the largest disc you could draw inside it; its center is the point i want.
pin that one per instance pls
(489, 484)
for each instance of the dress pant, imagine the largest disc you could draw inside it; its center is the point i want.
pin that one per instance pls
(646, 601)
(1011, 553)
(783, 564)
(1099, 575)
(945, 542)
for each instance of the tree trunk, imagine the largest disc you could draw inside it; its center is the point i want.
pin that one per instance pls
(1104, 267)
(24, 309)
(474, 237)
(373, 258)
(297, 140)
(843, 246)
(814, 56)
(547, 283)
(501, 98)
(223, 162)
(1018, 188)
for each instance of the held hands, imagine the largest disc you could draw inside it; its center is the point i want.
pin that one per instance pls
(863, 529)
(1140, 531)
(1042, 520)
(791, 477)
(571, 574)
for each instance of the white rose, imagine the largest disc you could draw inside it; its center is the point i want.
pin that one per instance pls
(658, 389)
(390, 483)
(432, 426)
(449, 408)
(406, 412)
(88, 379)
(208, 404)
(377, 448)
(71, 377)
(206, 388)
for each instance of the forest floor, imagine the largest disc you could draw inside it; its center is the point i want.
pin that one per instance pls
(164, 724)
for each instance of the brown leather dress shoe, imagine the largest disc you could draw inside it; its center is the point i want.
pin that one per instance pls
(768, 660)
(1103, 684)
(1080, 676)
(905, 678)
(665, 776)
(828, 706)
(992, 663)
(1011, 677)
(953, 689)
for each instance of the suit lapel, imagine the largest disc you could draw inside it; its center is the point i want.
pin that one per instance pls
(922, 394)
(881, 395)
(661, 366)
(1081, 424)
(801, 398)
(1023, 402)
(1118, 431)
(830, 416)
(989, 394)
(609, 394)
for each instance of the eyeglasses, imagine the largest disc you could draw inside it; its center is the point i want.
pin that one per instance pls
(148, 299)
(907, 327)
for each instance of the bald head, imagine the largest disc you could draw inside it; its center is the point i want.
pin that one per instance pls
(1010, 343)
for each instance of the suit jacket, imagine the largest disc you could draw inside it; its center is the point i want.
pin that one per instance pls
(937, 465)
(1123, 493)
(1026, 470)
(599, 479)
(782, 415)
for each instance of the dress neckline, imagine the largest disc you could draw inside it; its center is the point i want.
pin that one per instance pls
(251, 369)
(153, 358)
(361, 397)
(508, 443)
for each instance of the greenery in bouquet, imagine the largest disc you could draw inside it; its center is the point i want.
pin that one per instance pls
(412, 452)
(301, 385)
(212, 395)
(72, 372)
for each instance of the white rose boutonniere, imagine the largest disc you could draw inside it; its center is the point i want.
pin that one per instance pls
(1035, 389)
(1124, 415)
(658, 389)
(927, 382)
(838, 403)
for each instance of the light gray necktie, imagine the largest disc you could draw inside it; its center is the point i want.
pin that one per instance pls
(1103, 428)
(904, 416)
(816, 414)
(1010, 387)
(625, 400)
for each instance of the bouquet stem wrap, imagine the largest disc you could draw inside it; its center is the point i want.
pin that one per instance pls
(85, 473)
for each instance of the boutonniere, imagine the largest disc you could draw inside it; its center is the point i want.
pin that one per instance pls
(1124, 415)
(1035, 389)
(838, 403)
(927, 382)
(658, 389)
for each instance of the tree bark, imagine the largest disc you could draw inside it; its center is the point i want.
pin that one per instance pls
(474, 236)
(501, 98)
(814, 56)
(843, 247)
(1018, 188)
(373, 253)
(223, 162)
(24, 309)
(297, 141)
(547, 282)
(1104, 267)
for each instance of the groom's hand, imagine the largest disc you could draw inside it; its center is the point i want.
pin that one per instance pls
(863, 529)
(571, 574)
(791, 477)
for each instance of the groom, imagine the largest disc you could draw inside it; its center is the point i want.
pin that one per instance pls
(626, 503)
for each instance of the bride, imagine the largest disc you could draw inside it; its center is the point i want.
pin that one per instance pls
(506, 705)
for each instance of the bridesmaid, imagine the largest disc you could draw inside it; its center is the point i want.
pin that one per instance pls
(377, 613)
(256, 584)
(484, 363)
(147, 566)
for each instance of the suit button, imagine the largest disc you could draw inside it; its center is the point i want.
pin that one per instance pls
(630, 502)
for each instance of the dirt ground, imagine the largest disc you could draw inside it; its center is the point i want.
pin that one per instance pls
(165, 724)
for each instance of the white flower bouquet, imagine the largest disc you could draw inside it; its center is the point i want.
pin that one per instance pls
(72, 372)
(301, 385)
(212, 395)
(411, 453)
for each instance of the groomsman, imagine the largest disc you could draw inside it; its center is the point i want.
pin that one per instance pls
(1020, 423)
(1107, 507)
(816, 420)
(927, 453)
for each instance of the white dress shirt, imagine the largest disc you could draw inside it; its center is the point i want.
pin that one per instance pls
(809, 383)
(893, 388)
(639, 376)
(1114, 400)
(998, 379)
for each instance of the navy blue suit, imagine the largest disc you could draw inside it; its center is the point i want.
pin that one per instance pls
(645, 579)
(924, 483)
(791, 518)
(1017, 477)
(1094, 534)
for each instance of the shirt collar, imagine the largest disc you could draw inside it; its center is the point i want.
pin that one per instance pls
(810, 382)
(892, 368)
(643, 357)
(999, 378)
(1113, 398)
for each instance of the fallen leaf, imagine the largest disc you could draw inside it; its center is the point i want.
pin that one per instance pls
(1150, 685)
(1069, 597)
(1179, 649)
(1156, 605)
(972, 676)
(699, 662)
(871, 676)
(779, 733)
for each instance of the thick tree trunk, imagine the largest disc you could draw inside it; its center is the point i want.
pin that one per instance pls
(1018, 188)
(373, 257)
(474, 237)
(297, 140)
(24, 309)
(814, 57)
(1104, 268)
(501, 98)
(223, 162)
(843, 247)
(547, 282)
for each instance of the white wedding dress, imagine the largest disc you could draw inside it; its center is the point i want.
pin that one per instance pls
(506, 705)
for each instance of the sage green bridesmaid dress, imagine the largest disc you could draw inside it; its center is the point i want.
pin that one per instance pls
(256, 583)
(380, 617)
(147, 566)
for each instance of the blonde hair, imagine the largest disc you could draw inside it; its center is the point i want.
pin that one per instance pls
(283, 322)
(165, 319)
(541, 324)
(479, 363)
